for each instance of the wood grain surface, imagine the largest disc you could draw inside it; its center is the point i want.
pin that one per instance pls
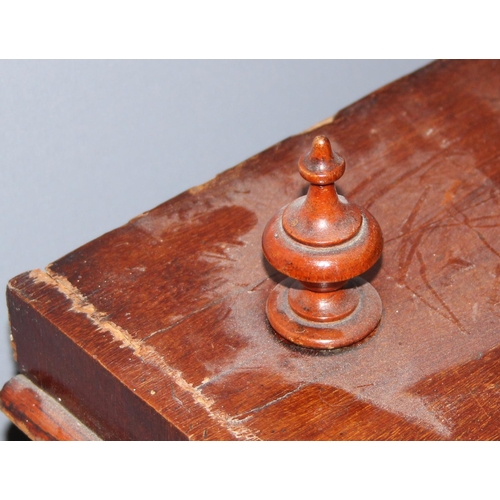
(157, 330)
(38, 415)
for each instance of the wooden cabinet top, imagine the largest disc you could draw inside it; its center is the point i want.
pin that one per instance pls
(157, 330)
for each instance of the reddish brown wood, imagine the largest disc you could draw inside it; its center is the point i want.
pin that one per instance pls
(38, 415)
(323, 241)
(157, 330)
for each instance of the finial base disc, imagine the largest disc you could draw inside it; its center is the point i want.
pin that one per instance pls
(325, 335)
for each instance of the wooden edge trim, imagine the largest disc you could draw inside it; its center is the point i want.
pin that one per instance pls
(40, 416)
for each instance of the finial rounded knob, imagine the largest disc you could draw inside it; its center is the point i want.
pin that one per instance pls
(323, 242)
(321, 165)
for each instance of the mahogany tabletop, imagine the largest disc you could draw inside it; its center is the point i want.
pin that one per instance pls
(158, 330)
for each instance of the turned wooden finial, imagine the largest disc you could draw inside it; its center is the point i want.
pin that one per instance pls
(322, 242)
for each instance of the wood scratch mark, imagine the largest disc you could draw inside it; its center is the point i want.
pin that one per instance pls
(474, 397)
(408, 224)
(406, 260)
(250, 288)
(483, 240)
(341, 406)
(422, 299)
(434, 218)
(486, 244)
(146, 353)
(493, 195)
(267, 405)
(360, 186)
(423, 274)
(474, 219)
(471, 393)
(220, 256)
(221, 375)
(424, 232)
(394, 183)
(426, 225)
(175, 398)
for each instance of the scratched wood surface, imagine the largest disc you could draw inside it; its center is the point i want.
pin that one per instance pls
(157, 330)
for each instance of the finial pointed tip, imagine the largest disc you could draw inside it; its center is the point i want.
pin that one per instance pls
(321, 165)
(321, 148)
(320, 139)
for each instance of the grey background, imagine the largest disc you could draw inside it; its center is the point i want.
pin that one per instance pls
(87, 145)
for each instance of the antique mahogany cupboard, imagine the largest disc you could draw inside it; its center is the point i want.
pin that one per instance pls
(158, 329)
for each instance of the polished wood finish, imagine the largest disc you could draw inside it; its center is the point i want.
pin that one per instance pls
(157, 330)
(39, 416)
(323, 241)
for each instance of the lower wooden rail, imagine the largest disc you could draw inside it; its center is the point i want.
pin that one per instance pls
(39, 415)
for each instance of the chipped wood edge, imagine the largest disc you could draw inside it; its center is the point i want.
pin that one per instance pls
(146, 353)
(39, 415)
(202, 187)
(322, 123)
